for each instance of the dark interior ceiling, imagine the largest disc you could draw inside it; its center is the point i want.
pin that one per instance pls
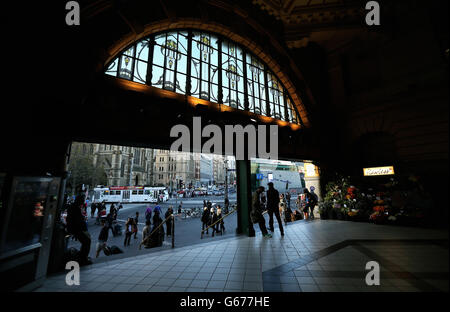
(326, 22)
(56, 69)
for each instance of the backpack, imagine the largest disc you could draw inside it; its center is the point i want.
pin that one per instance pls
(315, 198)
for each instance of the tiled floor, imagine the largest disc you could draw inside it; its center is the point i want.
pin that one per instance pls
(312, 257)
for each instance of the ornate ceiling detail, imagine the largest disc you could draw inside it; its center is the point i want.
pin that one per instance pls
(292, 12)
(303, 17)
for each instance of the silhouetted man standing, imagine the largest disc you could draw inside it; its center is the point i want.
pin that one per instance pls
(256, 215)
(76, 225)
(273, 200)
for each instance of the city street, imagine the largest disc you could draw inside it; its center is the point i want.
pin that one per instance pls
(187, 229)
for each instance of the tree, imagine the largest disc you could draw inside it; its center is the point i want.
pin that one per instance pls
(83, 171)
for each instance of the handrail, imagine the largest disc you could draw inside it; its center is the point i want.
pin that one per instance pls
(211, 225)
(157, 228)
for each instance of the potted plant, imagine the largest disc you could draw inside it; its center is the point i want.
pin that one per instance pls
(332, 213)
(323, 210)
(338, 211)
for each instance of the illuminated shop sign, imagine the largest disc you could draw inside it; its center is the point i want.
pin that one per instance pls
(379, 171)
(311, 170)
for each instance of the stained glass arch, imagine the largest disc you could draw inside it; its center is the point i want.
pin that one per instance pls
(207, 66)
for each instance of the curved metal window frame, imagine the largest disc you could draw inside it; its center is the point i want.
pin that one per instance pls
(275, 95)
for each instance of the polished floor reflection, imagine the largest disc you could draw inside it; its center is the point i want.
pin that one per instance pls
(313, 256)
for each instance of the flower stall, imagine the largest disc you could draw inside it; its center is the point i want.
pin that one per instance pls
(400, 202)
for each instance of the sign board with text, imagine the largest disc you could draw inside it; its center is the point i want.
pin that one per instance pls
(379, 171)
(311, 170)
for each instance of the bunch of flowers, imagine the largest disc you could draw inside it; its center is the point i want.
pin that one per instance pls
(379, 208)
(340, 196)
(351, 193)
(377, 216)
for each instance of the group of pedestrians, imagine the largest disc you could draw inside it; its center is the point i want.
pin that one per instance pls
(276, 205)
(153, 232)
(212, 218)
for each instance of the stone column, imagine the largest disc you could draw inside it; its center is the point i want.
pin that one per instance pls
(244, 198)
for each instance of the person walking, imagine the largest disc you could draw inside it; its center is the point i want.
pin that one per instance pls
(205, 219)
(227, 205)
(288, 200)
(299, 202)
(102, 239)
(93, 208)
(148, 214)
(168, 214)
(145, 233)
(112, 209)
(257, 210)
(315, 200)
(116, 210)
(157, 233)
(273, 200)
(212, 220)
(282, 199)
(310, 203)
(282, 209)
(157, 209)
(128, 231)
(263, 201)
(136, 221)
(221, 224)
(109, 222)
(76, 225)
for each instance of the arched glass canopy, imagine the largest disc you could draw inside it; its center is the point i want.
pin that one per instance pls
(206, 66)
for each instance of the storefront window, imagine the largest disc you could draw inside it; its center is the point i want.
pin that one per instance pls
(27, 214)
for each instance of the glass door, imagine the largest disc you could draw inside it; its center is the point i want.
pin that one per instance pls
(30, 218)
(126, 196)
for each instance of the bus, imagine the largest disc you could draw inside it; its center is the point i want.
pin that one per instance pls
(130, 194)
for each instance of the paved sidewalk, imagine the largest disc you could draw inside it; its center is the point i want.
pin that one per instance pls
(313, 256)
